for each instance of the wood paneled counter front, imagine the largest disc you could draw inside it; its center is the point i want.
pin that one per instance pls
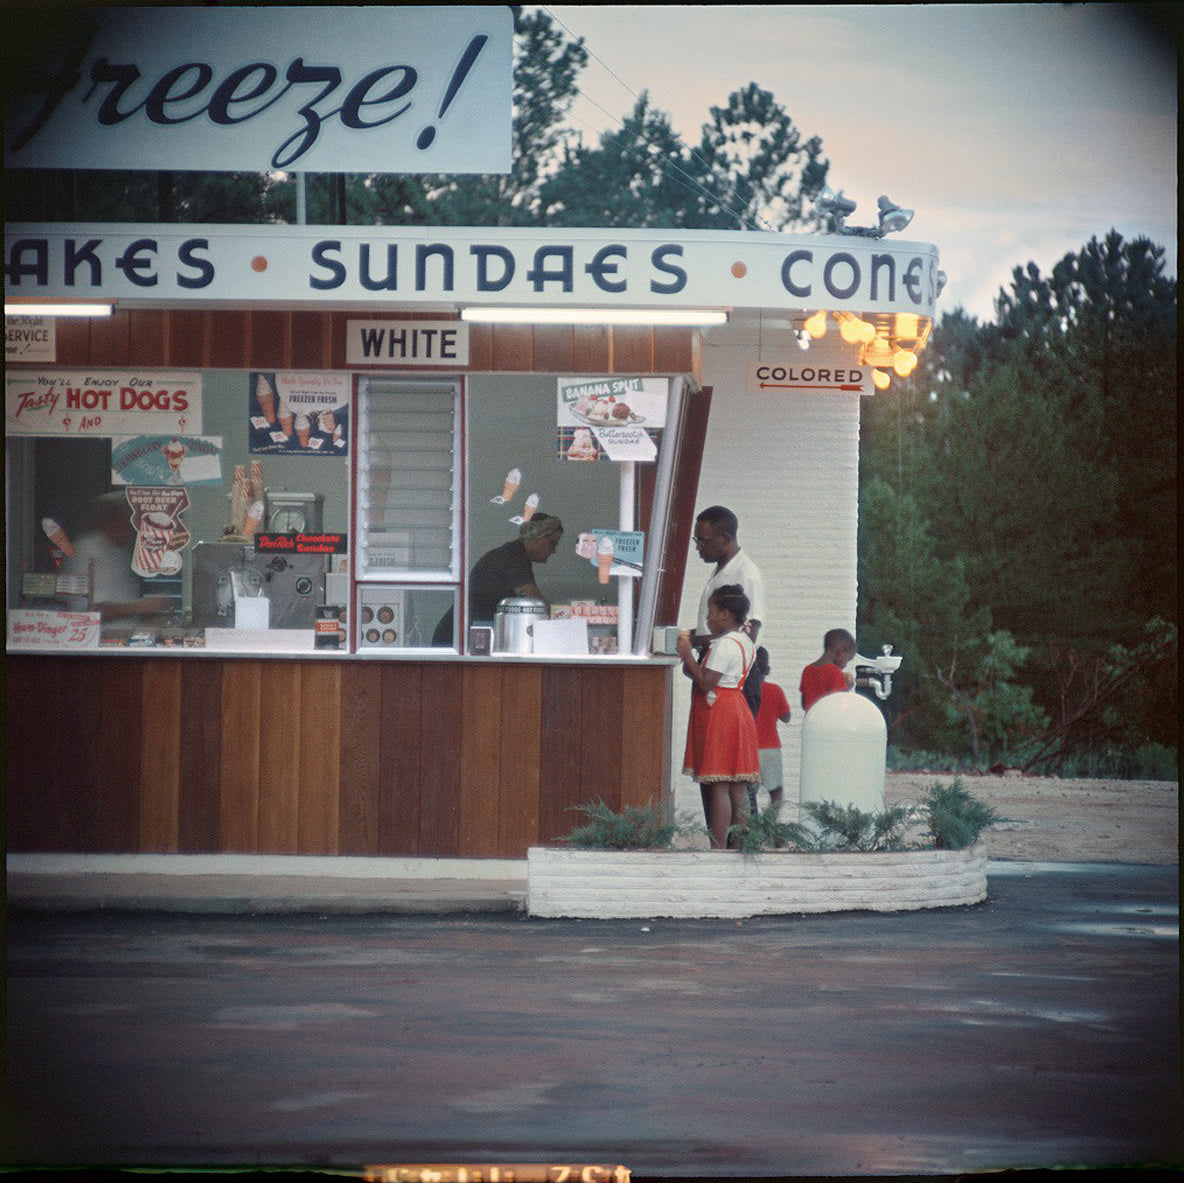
(479, 757)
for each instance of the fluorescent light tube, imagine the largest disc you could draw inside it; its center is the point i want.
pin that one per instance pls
(602, 316)
(57, 309)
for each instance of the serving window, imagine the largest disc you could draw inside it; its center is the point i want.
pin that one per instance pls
(286, 511)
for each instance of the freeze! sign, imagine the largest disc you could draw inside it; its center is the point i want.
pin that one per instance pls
(318, 89)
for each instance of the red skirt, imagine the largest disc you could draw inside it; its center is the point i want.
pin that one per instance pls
(721, 739)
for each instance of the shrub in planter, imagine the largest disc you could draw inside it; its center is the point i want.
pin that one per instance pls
(955, 818)
(636, 827)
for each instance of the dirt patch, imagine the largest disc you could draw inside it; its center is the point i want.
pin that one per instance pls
(1046, 819)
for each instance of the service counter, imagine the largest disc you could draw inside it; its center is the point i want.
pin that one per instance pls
(152, 752)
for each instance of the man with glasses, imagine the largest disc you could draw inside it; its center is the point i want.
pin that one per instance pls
(715, 534)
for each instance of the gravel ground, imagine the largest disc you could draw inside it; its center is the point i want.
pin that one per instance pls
(1046, 819)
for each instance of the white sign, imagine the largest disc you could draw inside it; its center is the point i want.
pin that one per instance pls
(797, 374)
(407, 342)
(30, 338)
(100, 403)
(35, 628)
(408, 266)
(386, 89)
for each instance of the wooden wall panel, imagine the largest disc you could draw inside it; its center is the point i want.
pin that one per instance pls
(633, 349)
(318, 751)
(267, 339)
(79, 783)
(201, 756)
(600, 754)
(399, 761)
(229, 340)
(270, 340)
(513, 348)
(238, 798)
(518, 795)
(552, 349)
(188, 339)
(358, 774)
(480, 757)
(592, 349)
(645, 729)
(148, 338)
(120, 733)
(561, 786)
(441, 726)
(312, 336)
(160, 757)
(279, 797)
(110, 340)
(320, 757)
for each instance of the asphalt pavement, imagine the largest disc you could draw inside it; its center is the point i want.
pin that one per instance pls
(1037, 1030)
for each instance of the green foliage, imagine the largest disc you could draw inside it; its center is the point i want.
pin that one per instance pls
(844, 827)
(1018, 511)
(955, 818)
(636, 827)
(762, 831)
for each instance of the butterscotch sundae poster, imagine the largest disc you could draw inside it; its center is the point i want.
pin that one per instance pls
(611, 418)
(304, 414)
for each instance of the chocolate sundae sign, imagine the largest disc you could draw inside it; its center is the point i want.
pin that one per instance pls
(611, 418)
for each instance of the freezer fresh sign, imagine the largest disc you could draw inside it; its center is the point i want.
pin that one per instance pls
(320, 89)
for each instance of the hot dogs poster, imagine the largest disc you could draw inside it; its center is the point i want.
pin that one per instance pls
(299, 414)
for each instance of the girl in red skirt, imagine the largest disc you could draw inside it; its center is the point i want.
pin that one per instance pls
(722, 753)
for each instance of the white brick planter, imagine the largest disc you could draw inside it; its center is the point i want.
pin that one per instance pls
(614, 884)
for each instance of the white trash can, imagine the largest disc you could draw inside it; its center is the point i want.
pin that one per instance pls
(844, 752)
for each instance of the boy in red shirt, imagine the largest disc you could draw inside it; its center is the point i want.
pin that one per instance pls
(774, 709)
(825, 675)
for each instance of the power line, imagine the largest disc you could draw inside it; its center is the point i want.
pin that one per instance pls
(691, 181)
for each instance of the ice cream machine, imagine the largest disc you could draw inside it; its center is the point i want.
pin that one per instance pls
(234, 587)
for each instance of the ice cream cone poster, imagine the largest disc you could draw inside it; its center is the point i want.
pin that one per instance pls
(298, 413)
(160, 533)
(611, 418)
(166, 460)
(613, 552)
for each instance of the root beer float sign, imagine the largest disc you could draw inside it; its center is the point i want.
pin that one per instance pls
(277, 266)
(319, 89)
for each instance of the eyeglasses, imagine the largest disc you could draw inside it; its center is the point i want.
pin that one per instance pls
(699, 540)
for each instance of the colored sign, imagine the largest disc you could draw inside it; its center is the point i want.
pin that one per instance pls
(394, 266)
(407, 342)
(305, 414)
(36, 628)
(795, 376)
(30, 338)
(387, 89)
(93, 402)
(167, 460)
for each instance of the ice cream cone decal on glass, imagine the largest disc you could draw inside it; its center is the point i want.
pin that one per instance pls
(604, 558)
(62, 547)
(532, 504)
(513, 480)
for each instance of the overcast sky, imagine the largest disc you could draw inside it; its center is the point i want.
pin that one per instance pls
(1016, 131)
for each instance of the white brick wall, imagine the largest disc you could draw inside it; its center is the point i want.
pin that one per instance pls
(787, 465)
(607, 884)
